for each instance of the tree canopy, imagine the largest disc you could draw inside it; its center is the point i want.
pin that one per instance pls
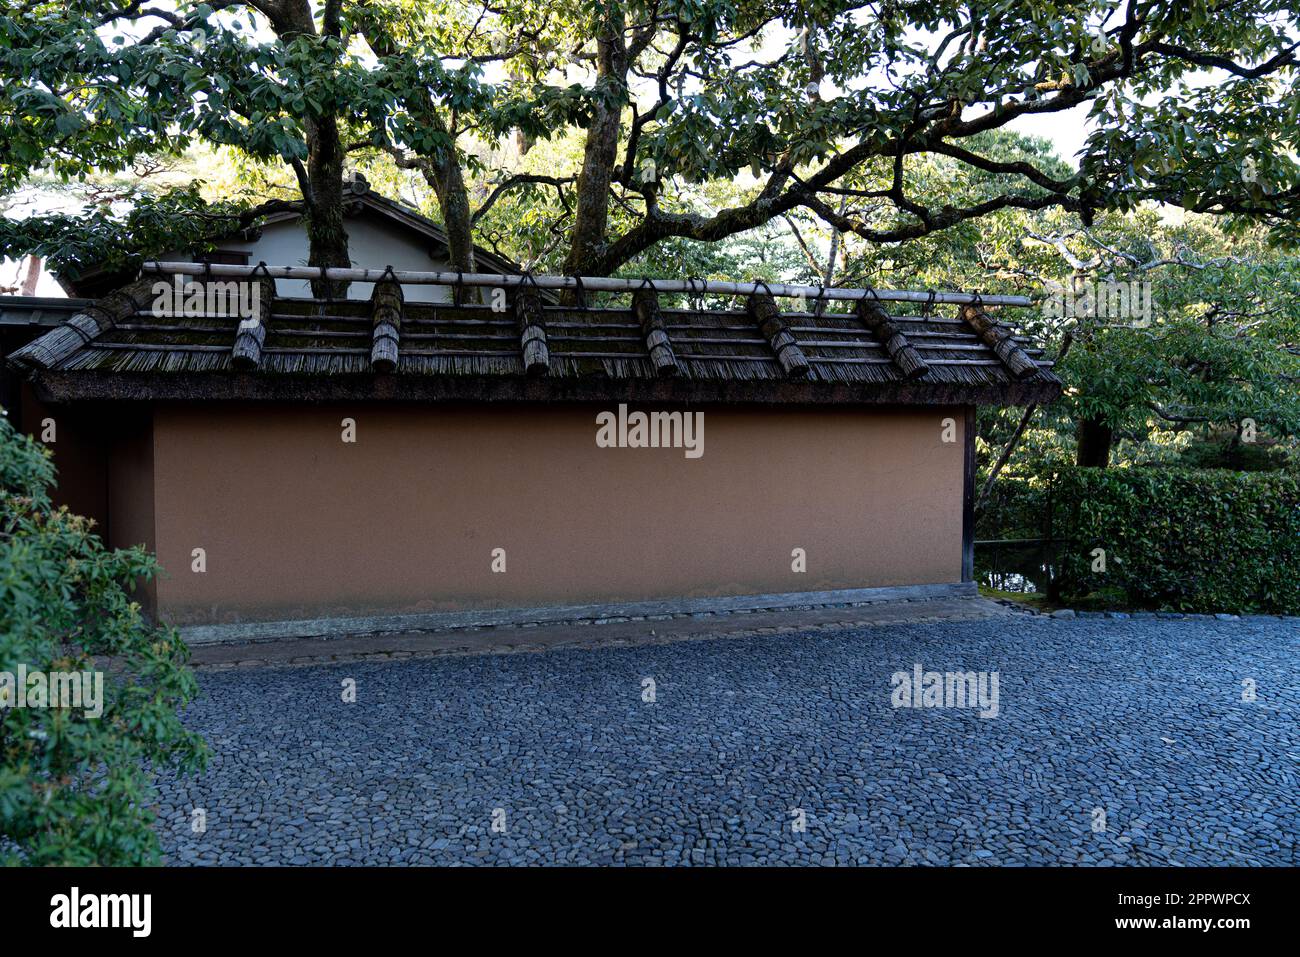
(834, 109)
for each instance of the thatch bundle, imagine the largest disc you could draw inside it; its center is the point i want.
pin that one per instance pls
(765, 312)
(62, 342)
(531, 320)
(251, 335)
(645, 307)
(887, 332)
(1000, 340)
(386, 314)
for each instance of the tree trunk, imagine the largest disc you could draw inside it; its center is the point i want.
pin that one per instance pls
(1005, 455)
(321, 183)
(1233, 458)
(591, 218)
(1093, 438)
(448, 182)
(33, 278)
(441, 170)
(327, 238)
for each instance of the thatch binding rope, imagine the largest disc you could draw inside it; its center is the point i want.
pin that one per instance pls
(998, 338)
(78, 330)
(897, 346)
(762, 307)
(531, 320)
(645, 306)
(386, 312)
(251, 334)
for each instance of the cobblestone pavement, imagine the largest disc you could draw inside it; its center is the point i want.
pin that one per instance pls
(556, 758)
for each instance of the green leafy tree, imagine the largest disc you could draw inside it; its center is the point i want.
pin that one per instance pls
(76, 788)
(832, 108)
(1214, 354)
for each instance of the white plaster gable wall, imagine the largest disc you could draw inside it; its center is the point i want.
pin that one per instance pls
(372, 244)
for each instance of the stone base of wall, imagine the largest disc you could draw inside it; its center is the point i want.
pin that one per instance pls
(435, 622)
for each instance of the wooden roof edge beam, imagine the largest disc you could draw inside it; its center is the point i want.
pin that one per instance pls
(79, 329)
(998, 338)
(386, 306)
(250, 336)
(532, 332)
(888, 333)
(762, 307)
(645, 306)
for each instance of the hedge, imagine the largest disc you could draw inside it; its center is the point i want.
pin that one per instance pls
(1192, 540)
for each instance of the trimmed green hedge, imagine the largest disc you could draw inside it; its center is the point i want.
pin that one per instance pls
(1194, 540)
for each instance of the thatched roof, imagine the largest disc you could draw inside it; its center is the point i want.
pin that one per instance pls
(317, 350)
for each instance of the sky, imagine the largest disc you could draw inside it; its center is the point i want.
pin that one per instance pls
(1067, 130)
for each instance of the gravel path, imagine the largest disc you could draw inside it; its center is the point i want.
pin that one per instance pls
(556, 758)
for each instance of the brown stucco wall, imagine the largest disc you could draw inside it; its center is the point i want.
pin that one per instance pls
(296, 523)
(131, 488)
(80, 450)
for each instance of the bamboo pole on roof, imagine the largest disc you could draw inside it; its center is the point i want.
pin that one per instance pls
(583, 283)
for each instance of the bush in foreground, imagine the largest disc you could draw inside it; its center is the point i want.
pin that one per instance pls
(75, 788)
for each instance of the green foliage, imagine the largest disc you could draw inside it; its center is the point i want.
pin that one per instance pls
(1218, 346)
(1235, 455)
(1183, 539)
(1017, 507)
(101, 237)
(75, 789)
(825, 93)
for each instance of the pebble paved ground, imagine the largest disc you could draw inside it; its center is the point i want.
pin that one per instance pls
(1142, 719)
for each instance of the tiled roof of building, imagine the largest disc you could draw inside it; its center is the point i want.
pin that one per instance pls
(38, 310)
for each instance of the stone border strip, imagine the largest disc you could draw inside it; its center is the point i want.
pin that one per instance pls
(629, 632)
(566, 614)
(1064, 614)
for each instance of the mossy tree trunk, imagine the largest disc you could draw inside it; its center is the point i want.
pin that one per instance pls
(326, 234)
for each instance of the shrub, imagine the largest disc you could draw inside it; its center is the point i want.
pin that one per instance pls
(76, 788)
(1195, 540)
(1016, 507)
